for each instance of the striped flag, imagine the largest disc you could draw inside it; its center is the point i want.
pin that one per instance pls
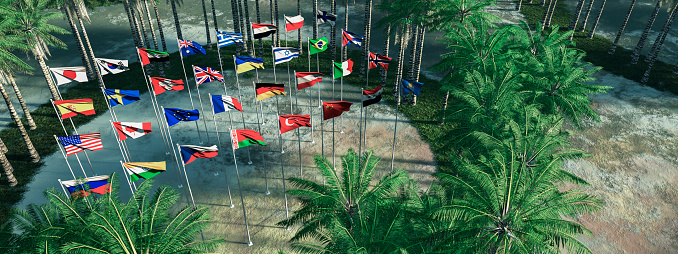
(132, 130)
(244, 137)
(223, 103)
(145, 170)
(263, 30)
(285, 54)
(294, 23)
(189, 152)
(308, 79)
(76, 143)
(228, 38)
(83, 187)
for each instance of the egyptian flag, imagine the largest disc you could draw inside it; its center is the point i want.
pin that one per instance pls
(83, 187)
(189, 153)
(243, 137)
(145, 170)
(263, 30)
(161, 85)
(294, 22)
(132, 130)
(147, 56)
(267, 90)
(67, 75)
(372, 96)
(332, 109)
(377, 59)
(291, 122)
(308, 79)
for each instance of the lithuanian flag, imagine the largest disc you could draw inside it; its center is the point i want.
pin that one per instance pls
(267, 90)
(145, 170)
(244, 137)
(70, 108)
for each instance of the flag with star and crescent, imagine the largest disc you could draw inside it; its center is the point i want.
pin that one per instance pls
(291, 122)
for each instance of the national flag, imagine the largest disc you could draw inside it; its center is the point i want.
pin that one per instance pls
(263, 30)
(285, 54)
(244, 137)
(83, 187)
(161, 85)
(343, 68)
(267, 90)
(411, 85)
(223, 103)
(132, 130)
(188, 47)
(318, 45)
(70, 108)
(377, 59)
(245, 64)
(228, 38)
(372, 96)
(147, 56)
(189, 153)
(332, 109)
(121, 97)
(351, 38)
(323, 16)
(308, 79)
(294, 22)
(291, 122)
(145, 170)
(206, 74)
(65, 75)
(111, 66)
(76, 143)
(175, 115)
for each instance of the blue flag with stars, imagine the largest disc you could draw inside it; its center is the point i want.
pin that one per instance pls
(411, 85)
(175, 115)
(187, 48)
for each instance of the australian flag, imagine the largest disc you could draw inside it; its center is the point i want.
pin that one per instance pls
(175, 115)
(228, 38)
(188, 48)
(206, 74)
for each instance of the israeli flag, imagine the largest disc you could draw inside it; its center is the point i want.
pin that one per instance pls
(285, 54)
(228, 38)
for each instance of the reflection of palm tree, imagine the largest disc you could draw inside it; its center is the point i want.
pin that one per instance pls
(367, 31)
(81, 47)
(595, 24)
(207, 24)
(646, 32)
(160, 30)
(654, 52)
(621, 30)
(177, 25)
(586, 17)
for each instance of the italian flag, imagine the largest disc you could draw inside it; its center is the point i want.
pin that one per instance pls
(145, 170)
(343, 69)
(242, 138)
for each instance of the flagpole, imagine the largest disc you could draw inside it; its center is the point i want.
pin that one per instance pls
(282, 169)
(188, 184)
(261, 104)
(202, 109)
(183, 67)
(395, 129)
(84, 151)
(176, 166)
(289, 81)
(126, 174)
(61, 121)
(242, 114)
(165, 140)
(69, 168)
(263, 159)
(62, 187)
(322, 132)
(301, 170)
(242, 200)
(341, 96)
(216, 130)
(360, 119)
(230, 120)
(115, 133)
(254, 53)
(309, 53)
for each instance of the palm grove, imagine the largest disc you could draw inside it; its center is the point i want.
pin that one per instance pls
(508, 92)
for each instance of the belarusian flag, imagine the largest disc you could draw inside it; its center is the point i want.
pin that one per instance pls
(343, 69)
(145, 170)
(147, 56)
(243, 137)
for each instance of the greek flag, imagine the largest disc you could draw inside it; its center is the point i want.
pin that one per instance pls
(228, 38)
(284, 54)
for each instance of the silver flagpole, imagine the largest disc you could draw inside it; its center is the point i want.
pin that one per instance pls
(202, 110)
(261, 105)
(322, 132)
(263, 159)
(360, 119)
(395, 129)
(114, 117)
(86, 156)
(282, 170)
(62, 187)
(126, 174)
(115, 133)
(183, 67)
(309, 53)
(341, 96)
(301, 170)
(165, 140)
(242, 200)
(216, 130)
(289, 79)
(69, 168)
(186, 175)
(62, 126)
(176, 166)
(242, 114)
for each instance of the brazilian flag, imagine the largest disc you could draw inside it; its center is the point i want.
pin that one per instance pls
(317, 46)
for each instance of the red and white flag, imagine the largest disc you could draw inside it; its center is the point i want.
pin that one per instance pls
(132, 130)
(76, 143)
(263, 30)
(67, 75)
(291, 122)
(161, 85)
(377, 59)
(308, 79)
(294, 23)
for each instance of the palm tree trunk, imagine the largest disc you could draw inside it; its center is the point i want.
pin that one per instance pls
(162, 33)
(140, 15)
(315, 19)
(248, 25)
(586, 17)
(344, 54)
(366, 42)
(150, 24)
(442, 117)
(520, 3)
(401, 55)
(385, 53)
(299, 30)
(27, 113)
(542, 3)
(575, 16)
(81, 47)
(646, 32)
(135, 35)
(333, 34)
(141, 34)
(277, 19)
(177, 25)
(413, 52)
(261, 42)
(270, 6)
(546, 14)
(662, 34)
(207, 24)
(89, 46)
(595, 24)
(3, 147)
(621, 30)
(553, 9)
(9, 171)
(214, 17)
(653, 54)
(236, 24)
(243, 29)
(420, 52)
(50, 83)
(29, 145)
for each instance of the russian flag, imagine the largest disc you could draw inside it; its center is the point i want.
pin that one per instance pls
(83, 187)
(189, 153)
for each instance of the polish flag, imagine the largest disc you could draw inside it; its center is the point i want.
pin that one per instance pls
(294, 23)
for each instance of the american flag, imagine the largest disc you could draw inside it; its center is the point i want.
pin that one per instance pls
(206, 74)
(76, 143)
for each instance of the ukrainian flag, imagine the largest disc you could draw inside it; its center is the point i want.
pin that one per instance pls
(245, 64)
(121, 97)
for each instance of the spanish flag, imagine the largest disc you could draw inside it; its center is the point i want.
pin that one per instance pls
(245, 64)
(70, 108)
(267, 90)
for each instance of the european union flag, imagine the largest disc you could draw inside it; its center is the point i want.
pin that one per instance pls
(175, 115)
(411, 85)
(187, 48)
(121, 97)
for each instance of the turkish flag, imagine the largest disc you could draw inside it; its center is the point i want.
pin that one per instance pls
(332, 109)
(291, 122)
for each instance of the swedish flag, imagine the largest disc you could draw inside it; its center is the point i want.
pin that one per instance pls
(175, 115)
(121, 97)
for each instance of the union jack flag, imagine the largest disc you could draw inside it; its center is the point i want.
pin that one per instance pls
(206, 74)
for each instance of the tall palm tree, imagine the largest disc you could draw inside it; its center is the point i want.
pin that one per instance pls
(586, 17)
(595, 24)
(277, 20)
(553, 9)
(646, 32)
(575, 16)
(177, 24)
(301, 47)
(132, 27)
(7, 167)
(150, 24)
(236, 24)
(402, 37)
(344, 50)
(315, 19)
(244, 29)
(3, 147)
(81, 13)
(665, 28)
(621, 29)
(366, 42)
(547, 11)
(13, 64)
(4, 77)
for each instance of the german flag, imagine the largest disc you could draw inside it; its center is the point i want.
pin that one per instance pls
(70, 108)
(267, 90)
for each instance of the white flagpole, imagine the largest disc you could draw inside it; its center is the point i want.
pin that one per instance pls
(62, 187)
(360, 119)
(395, 129)
(186, 175)
(154, 102)
(216, 130)
(183, 67)
(202, 110)
(263, 159)
(169, 134)
(117, 139)
(301, 170)
(65, 158)
(322, 132)
(66, 132)
(242, 114)
(242, 200)
(282, 169)
(126, 174)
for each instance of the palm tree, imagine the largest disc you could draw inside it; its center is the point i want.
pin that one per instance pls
(13, 64)
(24, 134)
(301, 47)
(144, 224)
(132, 27)
(248, 26)
(575, 16)
(150, 24)
(621, 30)
(315, 19)
(344, 50)
(7, 167)
(277, 19)
(385, 53)
(236, 24)
(586, 17)
(366, 42)
(177, 25)
(261, 43)
(595, 24)
(207, 24)
(553, 9)
(547, 11)
(3, 147)
(244, 29)
(81, 13)
(646, 32)
(665, 29)
(81, 47)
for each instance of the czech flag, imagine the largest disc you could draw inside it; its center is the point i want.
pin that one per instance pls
(189, 153)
